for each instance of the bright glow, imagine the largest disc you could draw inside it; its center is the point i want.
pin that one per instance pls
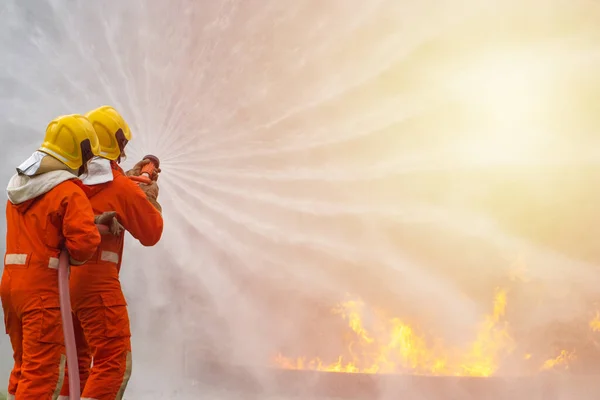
(507, 96)
(508, 89)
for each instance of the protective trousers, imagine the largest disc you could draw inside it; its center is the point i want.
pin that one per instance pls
(84, 358)
(33, 323)
(102, 335)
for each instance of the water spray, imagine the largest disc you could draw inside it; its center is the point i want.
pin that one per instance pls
(67, 320)
(147, 171)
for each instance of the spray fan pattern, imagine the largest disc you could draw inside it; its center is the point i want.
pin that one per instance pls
(432, 159)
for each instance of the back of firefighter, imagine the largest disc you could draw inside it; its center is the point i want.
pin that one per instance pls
(99, 309)
(47, 210)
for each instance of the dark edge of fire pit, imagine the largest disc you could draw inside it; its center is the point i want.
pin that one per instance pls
(314, 384)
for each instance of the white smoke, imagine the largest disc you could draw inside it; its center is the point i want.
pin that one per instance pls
(312, 149)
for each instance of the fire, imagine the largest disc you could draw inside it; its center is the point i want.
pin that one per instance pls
(396, 347)
(595, 323)
(351, 311)
(389, 345)
(563, 360)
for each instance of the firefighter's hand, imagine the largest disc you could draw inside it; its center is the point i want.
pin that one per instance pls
(115, 227)
(105, 218)
(137, 170)
(150, 189)
(109, 219)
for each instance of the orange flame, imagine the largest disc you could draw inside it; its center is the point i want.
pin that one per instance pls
(392, 346)
(595, 323)
(396, 347)
(563, 360)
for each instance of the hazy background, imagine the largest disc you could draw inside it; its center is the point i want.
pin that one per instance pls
(411, 153)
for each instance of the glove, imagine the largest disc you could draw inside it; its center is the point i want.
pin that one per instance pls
(137, 170)
(109, 219)
(155, 204)
(151, 191)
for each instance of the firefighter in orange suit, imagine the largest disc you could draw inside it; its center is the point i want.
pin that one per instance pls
(99, 309)
(47, 211)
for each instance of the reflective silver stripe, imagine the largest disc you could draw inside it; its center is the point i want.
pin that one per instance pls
(55, 155)
(61, 397)
(15, 259)
(109, 256)
(61, 377)
(53, 263)
(87, 398)
(126, 377)
(21, 259)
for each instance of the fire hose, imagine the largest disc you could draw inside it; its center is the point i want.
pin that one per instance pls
(67, 320)
(65, 297)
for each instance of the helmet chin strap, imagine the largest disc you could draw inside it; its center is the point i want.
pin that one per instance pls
(81, 171)
(122, 142)
(122, 157)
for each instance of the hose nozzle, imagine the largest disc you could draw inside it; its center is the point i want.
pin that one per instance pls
(147, 171)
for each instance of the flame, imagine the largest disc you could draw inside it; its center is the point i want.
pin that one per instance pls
(350, 311)
(595, 323)
(395, 347)
(563, 360)
(390, 345)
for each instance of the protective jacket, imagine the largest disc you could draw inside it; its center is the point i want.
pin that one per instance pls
(45, 213)
(100, 314)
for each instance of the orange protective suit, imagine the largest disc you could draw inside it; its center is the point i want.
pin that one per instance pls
(44, 214)
(100, 311)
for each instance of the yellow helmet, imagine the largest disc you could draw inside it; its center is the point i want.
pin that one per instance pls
(72, 140)
(112, 130)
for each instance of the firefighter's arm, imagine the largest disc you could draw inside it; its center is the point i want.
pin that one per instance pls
(151, 192)
(138, 215)
(81, 234)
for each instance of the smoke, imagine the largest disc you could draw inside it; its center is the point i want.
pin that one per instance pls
(317, 150)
